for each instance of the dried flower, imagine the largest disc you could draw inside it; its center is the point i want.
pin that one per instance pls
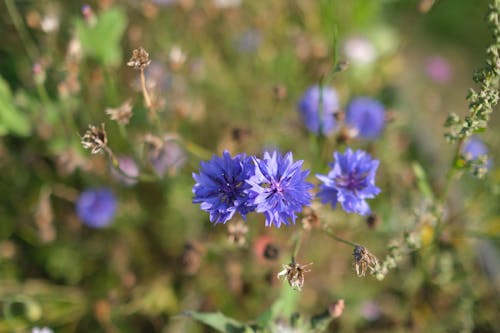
(237, 233)
(364, 260)
(95, 138)
(121, 114)
(336, 309)
(310, 218)
(294, 274)
(140, 59)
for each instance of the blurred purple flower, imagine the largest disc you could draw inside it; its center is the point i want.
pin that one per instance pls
(248, 41)
(438, 69)
(221, 187)
(350, 181)
(278, 188)
(309, 106)
(169, 157)
(370, 310)
(366, 116)
(474, 148)
(129, 171)
(96, 207)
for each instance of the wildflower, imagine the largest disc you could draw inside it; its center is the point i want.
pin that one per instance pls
(337, 308)
(221, 187)
(176, 57)
(364, 260)
(41, 330)
(164, 154)
(367, 116)
(96, 207)
(278, 188)
(316, 102)
(140, 59)
(350, 181)
(294, 274)
(438, 69)
(128, 171)
(95, 138)
(121, 114)
(360, 50)
(237, 233)
(473, 148)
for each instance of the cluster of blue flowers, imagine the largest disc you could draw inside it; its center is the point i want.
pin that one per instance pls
(318, 106)
(276, 185)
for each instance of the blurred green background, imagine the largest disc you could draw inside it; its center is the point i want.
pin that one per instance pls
(227, 74)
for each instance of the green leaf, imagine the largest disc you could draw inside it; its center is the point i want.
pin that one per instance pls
(284, 306)
(102, 40)
(12, 120)
(219, 321)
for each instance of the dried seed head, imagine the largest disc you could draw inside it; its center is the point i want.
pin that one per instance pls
(95, 138)
(310, 218)
(237, 233)
(121, 114)
(346, 134)
(364, 260)
(294, 274)
(140, 59)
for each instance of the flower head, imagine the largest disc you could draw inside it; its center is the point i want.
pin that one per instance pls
(474, 148)
(96, 207)
(350, 181)
(221, 187)
(95, 138)
(315, 100)
(364, 261)
(278, 188)
(439, 69)
(122, 113)
(366, 116)
(128, 171)
(294, 274)
(140, 59)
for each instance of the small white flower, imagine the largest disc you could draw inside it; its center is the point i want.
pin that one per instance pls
(41, 330)
(360, 50)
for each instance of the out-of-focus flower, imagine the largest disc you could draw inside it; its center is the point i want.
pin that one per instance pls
(50, 22)
(473, 148)
(129, 171)
(370, 310)
(279, 188)
(96, 207)
(140, 59)
(364, 261)
(226, 3)
(237, 233)
(316, 102)
(176, 57)
(165, 2)
(122, 113)
(350, 182)
(164, 154)
(41, 330)
(95, 138)
(294, 274)
(310, 218)
(248, 41)
(367, 116)
(337, 308)
(89, 15)
(221, 187)
(360, 50)
(438, 69)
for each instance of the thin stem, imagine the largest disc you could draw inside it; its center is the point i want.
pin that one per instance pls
(29, 45)
(145, 93)
(297, 244)
(337, 238)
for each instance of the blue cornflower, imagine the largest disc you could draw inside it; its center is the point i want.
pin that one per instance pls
(366, 116)
(96, 207)
(278, 188)
(473, 148)
(350, 181)
(309, 106)
(221, 186)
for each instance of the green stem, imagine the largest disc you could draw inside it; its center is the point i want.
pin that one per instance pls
(297, 244)
(28, 43)
(337, 238)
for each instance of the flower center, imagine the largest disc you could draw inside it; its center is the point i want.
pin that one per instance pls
(352, 181)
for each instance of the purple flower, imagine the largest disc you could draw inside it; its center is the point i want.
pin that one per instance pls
(96, 207)
(309, 108)
(169, 157)
(221, 187)
(350, 181)
(366, 116)
(278, 188)
(438, 69)
(129, 171)
(473, 148)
